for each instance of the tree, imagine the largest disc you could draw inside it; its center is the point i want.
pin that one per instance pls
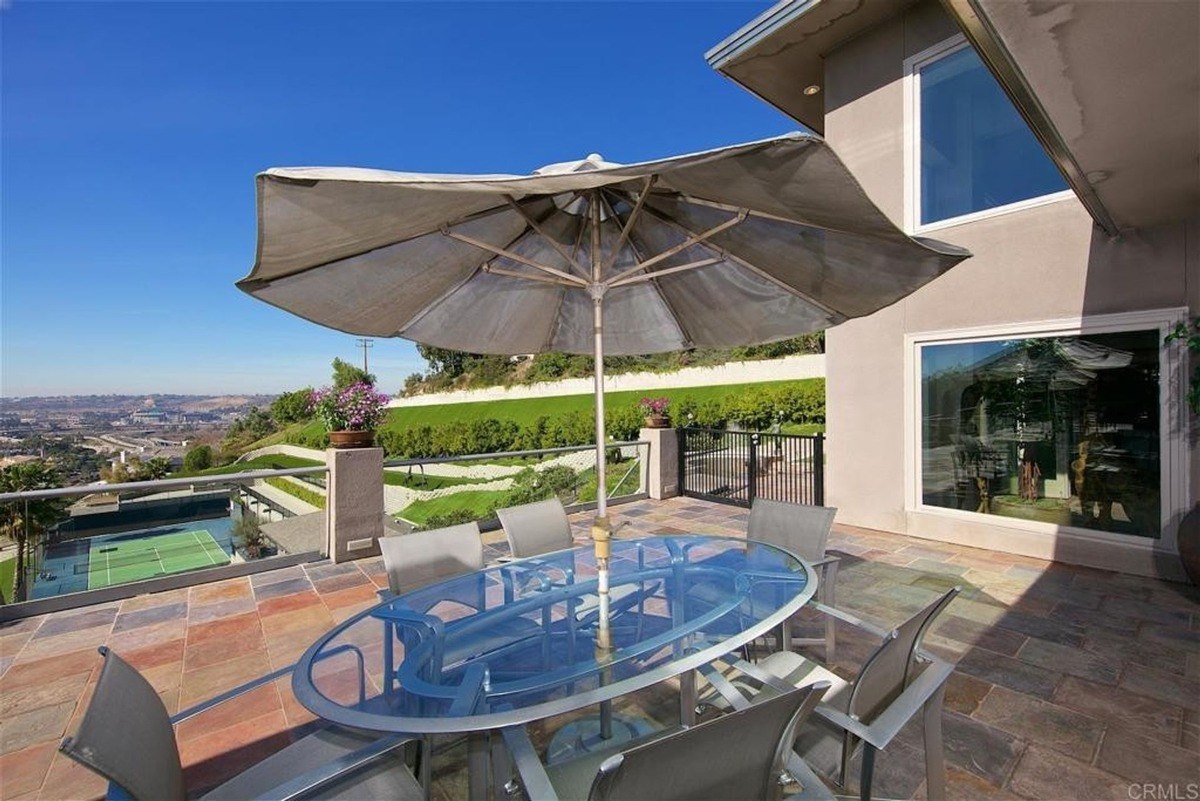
(158, 467)
(26, 521)
(292, 407)
(345, 374)
(198, 458)
(254, 425)
(442, 361)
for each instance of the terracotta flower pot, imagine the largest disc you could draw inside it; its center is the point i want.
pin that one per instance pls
(658, 421)
(351, 439)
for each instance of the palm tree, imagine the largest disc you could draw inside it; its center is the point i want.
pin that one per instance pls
(25, 520)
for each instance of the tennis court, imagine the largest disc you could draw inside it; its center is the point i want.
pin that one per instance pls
(121, 561)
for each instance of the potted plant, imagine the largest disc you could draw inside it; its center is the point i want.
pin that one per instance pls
(655, 410)
(251, 542)
(350, 414)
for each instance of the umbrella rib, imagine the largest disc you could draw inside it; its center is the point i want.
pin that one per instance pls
(684, 335)
(761, 273)
(628, 227)
(637, 279)
(541, 279)
(517, 257)
(694, 239)
(416, 318)
(554, 243)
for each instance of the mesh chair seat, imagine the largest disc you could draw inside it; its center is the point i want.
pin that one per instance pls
(387, 777)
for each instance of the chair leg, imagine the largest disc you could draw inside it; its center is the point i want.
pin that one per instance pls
(849, 741)
(687, 698)
(868, 769)
(827, 590)
(935, 770)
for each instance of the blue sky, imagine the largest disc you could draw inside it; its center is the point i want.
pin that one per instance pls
(131, 134)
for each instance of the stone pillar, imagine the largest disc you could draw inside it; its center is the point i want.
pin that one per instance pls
(663, 480)
(354, 502)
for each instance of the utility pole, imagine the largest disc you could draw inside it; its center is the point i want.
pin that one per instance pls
(364, 344)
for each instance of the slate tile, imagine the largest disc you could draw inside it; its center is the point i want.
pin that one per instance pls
(1142, 760)
(1042, 628)
(77, 621)
(979, 748)
(1118, 706)
(1045, 773)
(1167, 687)
(1009, 672)
(1074, 661)
(293, 585)
(1051, 725)
(150, 616)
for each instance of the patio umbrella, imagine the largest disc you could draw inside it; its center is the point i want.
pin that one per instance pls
(734, 246)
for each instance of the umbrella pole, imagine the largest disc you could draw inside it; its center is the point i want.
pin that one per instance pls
(601, 531)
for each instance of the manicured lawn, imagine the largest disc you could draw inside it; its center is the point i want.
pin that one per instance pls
(419, 481)
(296, 491)
(8, 572)
(478, 502)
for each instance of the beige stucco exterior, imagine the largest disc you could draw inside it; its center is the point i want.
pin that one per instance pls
(1045, 263)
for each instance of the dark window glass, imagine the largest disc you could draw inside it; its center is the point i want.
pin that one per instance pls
(976, 151)
(1063, 430)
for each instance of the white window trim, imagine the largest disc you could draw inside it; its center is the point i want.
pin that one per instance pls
(1173, 423)
(912, 149)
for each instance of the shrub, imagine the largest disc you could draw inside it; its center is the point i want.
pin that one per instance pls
(198, 458)
(457, 517)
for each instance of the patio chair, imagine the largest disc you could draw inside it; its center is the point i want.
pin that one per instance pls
(897, 680)
(744, 755)
(127, 737)
(803, 530)
(536, 528)
(416, 560)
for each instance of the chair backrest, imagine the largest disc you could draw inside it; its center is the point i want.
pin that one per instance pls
(890, 669)
(536, 528)
(740, 755)
(126, 736)
(415, 560)
(803, 530)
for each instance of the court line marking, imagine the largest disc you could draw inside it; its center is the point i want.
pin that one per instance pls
(204, 546)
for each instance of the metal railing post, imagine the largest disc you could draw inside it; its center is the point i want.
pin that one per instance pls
(752, 467)
(819, 469)
(682, 457)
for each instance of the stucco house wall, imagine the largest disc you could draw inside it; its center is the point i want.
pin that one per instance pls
(1045, 263)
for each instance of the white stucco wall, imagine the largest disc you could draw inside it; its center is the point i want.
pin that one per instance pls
(788, 368)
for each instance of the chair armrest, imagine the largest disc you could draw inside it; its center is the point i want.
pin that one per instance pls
(825, 561)
(724, 687)
(230, 694)
(531, 770)
(846, 617)
(892, 719)
(385, 594)
(313, 780)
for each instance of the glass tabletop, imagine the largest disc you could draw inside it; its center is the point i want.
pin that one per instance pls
(518, 642)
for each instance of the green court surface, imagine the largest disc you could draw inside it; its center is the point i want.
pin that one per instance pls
(121, 562)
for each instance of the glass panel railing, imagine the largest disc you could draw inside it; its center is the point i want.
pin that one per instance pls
(75, 539)
(430, 493)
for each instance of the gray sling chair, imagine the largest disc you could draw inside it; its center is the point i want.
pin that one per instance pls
(743, 755)
(803, 530)
(127, 737)
(898, 680)
(422, 558)
(538, 528)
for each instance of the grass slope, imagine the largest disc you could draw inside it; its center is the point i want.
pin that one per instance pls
(527, 410)
(8, 572)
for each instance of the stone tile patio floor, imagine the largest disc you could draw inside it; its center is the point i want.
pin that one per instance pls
(1071, 682)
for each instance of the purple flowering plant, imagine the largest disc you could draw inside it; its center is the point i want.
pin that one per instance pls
(358, 407)
(654, 406)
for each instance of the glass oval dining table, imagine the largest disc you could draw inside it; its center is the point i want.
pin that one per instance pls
(518, 642)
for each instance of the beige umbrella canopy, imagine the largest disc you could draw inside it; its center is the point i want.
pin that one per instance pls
(740, 245)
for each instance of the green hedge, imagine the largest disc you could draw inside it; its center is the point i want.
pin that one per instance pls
(754, 407)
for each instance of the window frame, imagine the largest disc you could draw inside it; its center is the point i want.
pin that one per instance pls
(912, 149)
(1174, 483)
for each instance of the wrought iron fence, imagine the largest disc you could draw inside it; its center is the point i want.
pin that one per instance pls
(736, 467)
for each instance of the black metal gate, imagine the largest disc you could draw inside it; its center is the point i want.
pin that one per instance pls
(738, 466)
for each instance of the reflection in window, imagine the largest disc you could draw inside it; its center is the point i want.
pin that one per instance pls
(976, 151)
(1061, 430)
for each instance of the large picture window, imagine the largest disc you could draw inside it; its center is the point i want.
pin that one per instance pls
(975, 152)
(1056, 429)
